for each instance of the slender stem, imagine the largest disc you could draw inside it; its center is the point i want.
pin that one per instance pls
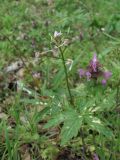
(66, 75)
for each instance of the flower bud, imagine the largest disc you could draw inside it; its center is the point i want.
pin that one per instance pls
(104, 82)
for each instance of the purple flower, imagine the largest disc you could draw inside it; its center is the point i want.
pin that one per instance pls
(94, 62)
(94, 71)
(88, 75)
(81, 73)
(107, 75)
(104, 82)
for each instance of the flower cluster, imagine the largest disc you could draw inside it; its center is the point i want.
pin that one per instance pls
(94, 71)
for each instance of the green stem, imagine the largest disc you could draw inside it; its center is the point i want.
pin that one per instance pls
(66, 75)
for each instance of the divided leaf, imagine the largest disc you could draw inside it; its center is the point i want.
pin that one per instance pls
(71, 127)
(96, 124)
(72, 123)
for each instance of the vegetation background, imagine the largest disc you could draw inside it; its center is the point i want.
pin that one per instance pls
(37, 119)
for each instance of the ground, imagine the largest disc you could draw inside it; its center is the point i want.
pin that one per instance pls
(48, 110)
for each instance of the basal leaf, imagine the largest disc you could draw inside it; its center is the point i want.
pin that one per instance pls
(70, 128)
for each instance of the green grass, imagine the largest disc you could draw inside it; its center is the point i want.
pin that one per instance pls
(27, 27)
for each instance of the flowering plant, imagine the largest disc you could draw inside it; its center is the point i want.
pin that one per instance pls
(95, 70)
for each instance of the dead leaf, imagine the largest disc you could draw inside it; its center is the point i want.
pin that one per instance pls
(3, 116)
(27, 156)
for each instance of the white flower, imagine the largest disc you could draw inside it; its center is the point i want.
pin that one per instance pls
(57, 34)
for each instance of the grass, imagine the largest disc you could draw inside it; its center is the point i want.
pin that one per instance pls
(34, 118)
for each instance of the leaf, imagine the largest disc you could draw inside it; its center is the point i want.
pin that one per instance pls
(104, 53)
(71, 127)
(96, 124)
(56, 120)
(8, 144)
(105, 103)
(3, 116)
(72, 123)
(30, 101)
(27, 156)
(58, 78)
